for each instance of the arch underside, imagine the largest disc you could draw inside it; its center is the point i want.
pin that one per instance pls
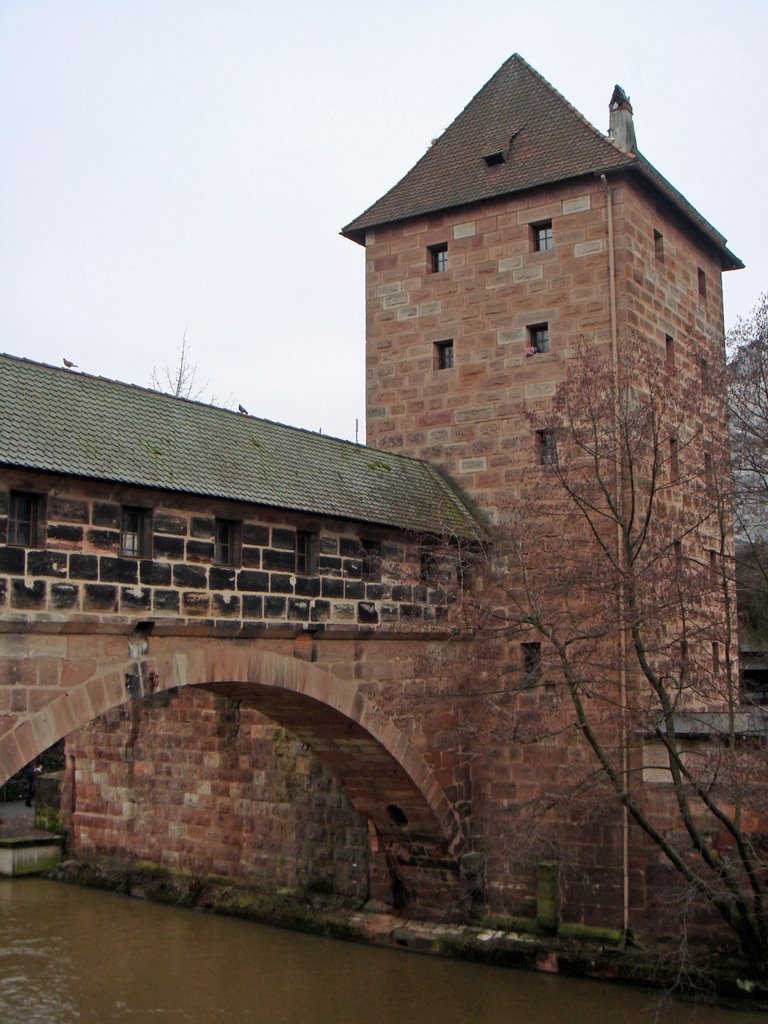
(408, 839)
(413, 829)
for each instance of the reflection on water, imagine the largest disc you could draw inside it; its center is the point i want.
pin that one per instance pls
(74, 955)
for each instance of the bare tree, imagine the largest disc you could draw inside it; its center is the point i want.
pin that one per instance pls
(180, 379)
(748, 410)
(609, 602)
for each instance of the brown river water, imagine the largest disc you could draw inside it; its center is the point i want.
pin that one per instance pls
(76, 956)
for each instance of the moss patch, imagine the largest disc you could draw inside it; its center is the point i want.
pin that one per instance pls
(521, 925)
(587, 933)
(49, 820)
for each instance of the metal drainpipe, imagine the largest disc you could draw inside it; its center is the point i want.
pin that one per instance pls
(620, 541)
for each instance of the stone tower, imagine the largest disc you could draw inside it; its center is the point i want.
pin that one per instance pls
(520, 231)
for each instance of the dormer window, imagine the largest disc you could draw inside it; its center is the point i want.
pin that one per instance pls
(494, 159)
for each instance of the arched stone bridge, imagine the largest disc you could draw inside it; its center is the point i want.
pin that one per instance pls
(325, 687)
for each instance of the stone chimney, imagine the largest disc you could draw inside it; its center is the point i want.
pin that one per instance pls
(622, 129)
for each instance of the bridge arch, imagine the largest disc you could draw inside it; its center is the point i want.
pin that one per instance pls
(414, 832)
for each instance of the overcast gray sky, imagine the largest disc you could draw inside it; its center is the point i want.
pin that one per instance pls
(177, 164)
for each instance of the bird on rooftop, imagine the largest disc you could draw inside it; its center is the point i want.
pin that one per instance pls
(619, 98)
(69, 364)
(242, 409)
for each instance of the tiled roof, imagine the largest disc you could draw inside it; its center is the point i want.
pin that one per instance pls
(545, 140)
(67, 422)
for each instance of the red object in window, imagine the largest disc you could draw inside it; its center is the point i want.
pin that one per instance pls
(530, 350)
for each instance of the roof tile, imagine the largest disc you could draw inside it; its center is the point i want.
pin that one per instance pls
(64, 422)
(545, 140)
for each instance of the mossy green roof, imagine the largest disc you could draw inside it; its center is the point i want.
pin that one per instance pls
(67, 422)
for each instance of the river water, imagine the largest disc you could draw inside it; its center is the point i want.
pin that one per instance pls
(75, 956)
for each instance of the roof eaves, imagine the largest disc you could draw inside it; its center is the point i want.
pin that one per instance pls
(221, 495)
(357, 234)
(357, 227)
(464, 502)
(646, 170)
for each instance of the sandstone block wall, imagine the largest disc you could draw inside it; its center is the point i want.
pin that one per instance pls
(78, 568)
(193, 781)
(470, 418)
(474, 418)
(670, 300)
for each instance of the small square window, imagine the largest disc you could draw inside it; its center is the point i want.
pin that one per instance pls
(306, 553)
(542, 236)
(547, 447)
(444, 355)
(438, 258)
(531, 663)
(24, 519)
(371, 556)
(227, 542)
(135, 535)
(669, 343)
(702, 283)
(658, 245)
(538, 339)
